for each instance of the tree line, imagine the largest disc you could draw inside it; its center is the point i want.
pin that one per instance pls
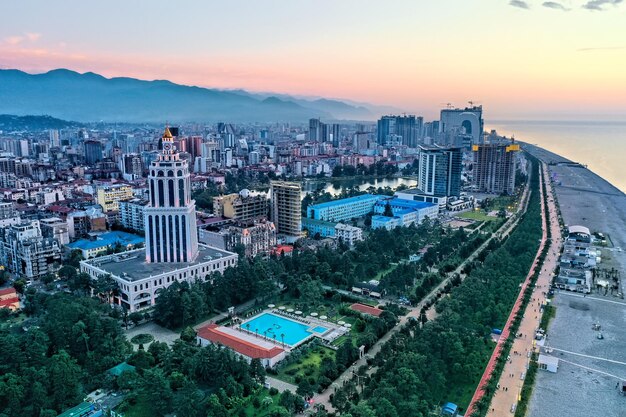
(423, 366)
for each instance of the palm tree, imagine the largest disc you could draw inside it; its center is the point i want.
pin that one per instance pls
(274, 337)
(248, 327)
(282, 337)
(257, 332)
(265, 334)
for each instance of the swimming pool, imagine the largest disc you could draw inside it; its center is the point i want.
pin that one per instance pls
(279, 328)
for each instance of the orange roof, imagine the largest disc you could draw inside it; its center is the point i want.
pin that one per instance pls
(6, 291)
(10, 302)
(213, 334)
(362, 308)
(282, 249)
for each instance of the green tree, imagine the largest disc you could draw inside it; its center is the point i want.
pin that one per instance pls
(136, 317)
(188, 334)
(214, 407)
(156, 391)
(188, 401)
(64, 380)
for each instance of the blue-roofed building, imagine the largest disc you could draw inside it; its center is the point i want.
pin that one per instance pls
(313, 226)
(344, 209)
(450, 409)
(84, 409)
(348, 234)
(384, 222)
(91, 248)
(407, 211)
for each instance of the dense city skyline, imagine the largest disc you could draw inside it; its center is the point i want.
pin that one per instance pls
(559, 60)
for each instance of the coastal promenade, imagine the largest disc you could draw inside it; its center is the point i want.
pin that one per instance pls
(512, 377)
(589, 368)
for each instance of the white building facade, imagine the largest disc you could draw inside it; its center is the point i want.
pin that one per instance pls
(170, 221)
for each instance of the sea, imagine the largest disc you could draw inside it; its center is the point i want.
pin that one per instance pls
(601, 145)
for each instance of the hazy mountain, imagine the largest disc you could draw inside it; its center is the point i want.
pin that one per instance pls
(91, 97)
(12, 123)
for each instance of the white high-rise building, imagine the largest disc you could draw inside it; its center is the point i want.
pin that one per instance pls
(172, 253)
(170, 218)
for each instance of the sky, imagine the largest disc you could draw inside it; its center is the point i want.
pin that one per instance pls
(519, 59)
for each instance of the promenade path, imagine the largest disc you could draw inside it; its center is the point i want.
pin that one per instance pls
(511, 380)
(323, 398)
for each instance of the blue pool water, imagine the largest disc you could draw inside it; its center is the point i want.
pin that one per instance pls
(293, 331)
(320, 329)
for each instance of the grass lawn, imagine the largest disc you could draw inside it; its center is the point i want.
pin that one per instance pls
(478, 215)
(392, 266)
(307, 367)
(14, 320)
(263, 411)
(461, 395)
(340, 340)
(503, 202)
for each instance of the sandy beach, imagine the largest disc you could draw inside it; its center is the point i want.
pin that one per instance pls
(589, 368)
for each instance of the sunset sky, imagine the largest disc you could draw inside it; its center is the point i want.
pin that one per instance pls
(520, 59)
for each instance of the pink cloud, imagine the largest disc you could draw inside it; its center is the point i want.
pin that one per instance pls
(33, 36)
(13, 40)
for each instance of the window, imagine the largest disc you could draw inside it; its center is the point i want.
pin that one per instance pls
(170, 188)
(181, 192)
(161, 193)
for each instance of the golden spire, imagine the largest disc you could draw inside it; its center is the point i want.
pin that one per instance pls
(167, 134)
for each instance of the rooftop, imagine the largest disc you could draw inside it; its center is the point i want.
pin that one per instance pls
(132, 266)
(579, 229)
(118, 369)
(7, 291)
(107, 239)
(349, 200)
(280, 249)
(415, 191)
(239, 342)
(383, 219)
(408, 204)
(81, 410)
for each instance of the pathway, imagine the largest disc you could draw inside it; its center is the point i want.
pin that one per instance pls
(159, 333)
(280, 385)
(511, 380)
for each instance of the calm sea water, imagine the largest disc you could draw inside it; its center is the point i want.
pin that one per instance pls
(336, 186)
(599, 145)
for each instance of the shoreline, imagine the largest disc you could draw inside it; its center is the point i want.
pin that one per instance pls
(596, 144)
(585, 198)
(558, 159)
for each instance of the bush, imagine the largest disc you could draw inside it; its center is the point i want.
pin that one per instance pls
(142, 338)
(273, 391)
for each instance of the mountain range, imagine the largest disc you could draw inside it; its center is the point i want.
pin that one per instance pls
(90, 97)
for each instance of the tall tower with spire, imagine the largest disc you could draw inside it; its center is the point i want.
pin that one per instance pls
(170, 217)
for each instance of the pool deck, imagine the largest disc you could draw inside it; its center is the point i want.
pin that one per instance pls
(332, 332)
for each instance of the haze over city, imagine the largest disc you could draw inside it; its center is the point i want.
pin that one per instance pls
(523, 59)
(312, 208)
